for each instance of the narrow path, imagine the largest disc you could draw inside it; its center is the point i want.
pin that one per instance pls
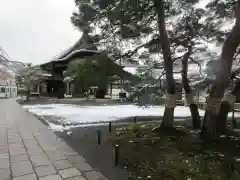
(101, 156)
(30, 151)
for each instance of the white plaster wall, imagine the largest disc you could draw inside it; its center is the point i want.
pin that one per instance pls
(10, 91)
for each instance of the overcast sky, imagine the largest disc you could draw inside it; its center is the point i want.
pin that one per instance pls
(36, 30)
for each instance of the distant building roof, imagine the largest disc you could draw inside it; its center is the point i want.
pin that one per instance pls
(85, 43)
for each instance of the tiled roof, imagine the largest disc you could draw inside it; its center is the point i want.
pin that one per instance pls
(85, 43)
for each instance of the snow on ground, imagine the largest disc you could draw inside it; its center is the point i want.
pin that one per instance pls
(92, 114)
(73, 114)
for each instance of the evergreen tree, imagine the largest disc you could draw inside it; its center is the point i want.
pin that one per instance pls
(96, 70)
(187, 37)
(146, 24)
(225, 62)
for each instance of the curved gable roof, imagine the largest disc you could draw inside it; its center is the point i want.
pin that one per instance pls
(84, 43)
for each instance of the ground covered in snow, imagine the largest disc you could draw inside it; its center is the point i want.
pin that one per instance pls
(72, 115)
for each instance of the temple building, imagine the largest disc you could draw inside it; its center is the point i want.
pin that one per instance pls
(57, 85)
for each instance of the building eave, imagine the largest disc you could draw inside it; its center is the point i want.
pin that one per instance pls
(69, 56)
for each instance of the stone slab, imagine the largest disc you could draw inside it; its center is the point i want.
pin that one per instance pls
(4, 164)
(77, 178)
(55, 155)
(5, 174)
(21, 168)
(83, 166)
(36, 153)
(4, 156)
(94, 175)
(19, 158)
(62, 164)
(17, 151)
(70, 172)
(51, 177)
(75, 159)
(26, 177)
(40, 160)
(45, 170)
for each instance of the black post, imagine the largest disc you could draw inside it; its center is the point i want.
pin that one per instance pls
(234, 122)
(116, 155)
(135, 120)
(110, 127)
(99, 137)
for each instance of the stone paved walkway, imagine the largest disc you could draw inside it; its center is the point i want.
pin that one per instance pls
(30, 151)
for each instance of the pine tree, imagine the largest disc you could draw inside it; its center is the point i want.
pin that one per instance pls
(220, 10)
(188, 34)
(145, 24)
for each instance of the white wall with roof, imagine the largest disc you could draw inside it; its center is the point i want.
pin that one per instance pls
(8, 89)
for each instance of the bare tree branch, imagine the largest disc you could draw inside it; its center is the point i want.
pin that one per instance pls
(195, 62)
(130, 53)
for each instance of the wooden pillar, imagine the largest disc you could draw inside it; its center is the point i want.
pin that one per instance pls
(38, 88)
(70, 88)
(67, 88)
(111, 85)
(53, 85)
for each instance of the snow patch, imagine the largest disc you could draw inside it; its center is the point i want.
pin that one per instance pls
(94, 114)
(75, 116)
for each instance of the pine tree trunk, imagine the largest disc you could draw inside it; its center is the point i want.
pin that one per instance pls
(196, 123)
(28, 94)
(222, 77)
(168, 115)
(226, 107)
